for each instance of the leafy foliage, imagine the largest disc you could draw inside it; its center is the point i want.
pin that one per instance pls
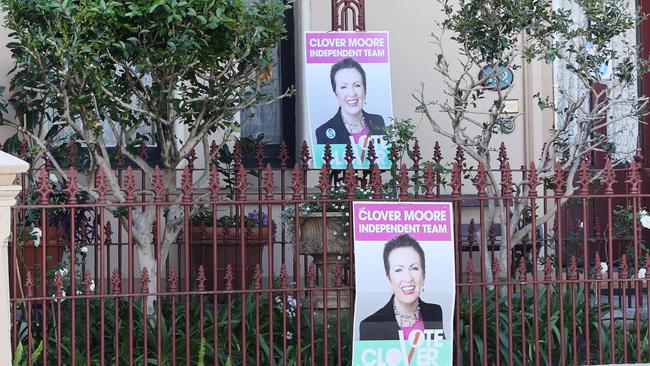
(270, 321)
(559, 327)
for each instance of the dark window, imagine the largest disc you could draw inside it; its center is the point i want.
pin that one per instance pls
(276, 121)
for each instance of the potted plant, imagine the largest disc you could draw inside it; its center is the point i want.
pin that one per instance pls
(312, 233)
(226, 238)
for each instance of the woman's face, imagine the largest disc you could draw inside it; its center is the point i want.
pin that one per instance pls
(349, 90)
(405, 274)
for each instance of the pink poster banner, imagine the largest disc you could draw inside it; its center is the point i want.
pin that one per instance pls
(364, 47)
(384, 221)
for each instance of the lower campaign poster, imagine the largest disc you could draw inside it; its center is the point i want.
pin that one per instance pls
(405, 284)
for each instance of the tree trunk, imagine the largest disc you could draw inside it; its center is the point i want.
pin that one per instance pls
(142, 231)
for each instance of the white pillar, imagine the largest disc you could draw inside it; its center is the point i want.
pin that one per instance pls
(9, 167)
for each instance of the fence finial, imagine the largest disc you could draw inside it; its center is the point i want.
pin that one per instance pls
(43, 184)
(506, 181)
(350, 179)
(72, 188)
(532, 180)
(172, 280)
(229, 277)
(242, 184)
(548, 269)
(456, 180)
(311, 275)
(101, 185)
(327, 156)
(403, 182)
(213, 183)
(157, 185)
(634, 179)
(304, 155)
(284, 276)
(372, 154)
(573, 268)
(416, 156)
(622, 273)
(503, 156)
(437, 154)
(129, 185)
(268, 182)
(257, 277)
(296, 182)
(376, 182)
(429, 180)
(186, 184)
(201, 279)
(324, 181)
(145, 280)
(259, 155)
(481, 180)
(116, 281)
(284, 155)
(191, 158)
(469, 270)
(349, 154)
(597, 274)
(495, 269)
(29, 284)
(521, 269)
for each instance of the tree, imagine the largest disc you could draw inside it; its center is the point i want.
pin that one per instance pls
(582, 38)
(98, 66)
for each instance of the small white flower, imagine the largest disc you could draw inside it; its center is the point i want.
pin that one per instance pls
(642, 273)
(79, 292)
(603, 267)
(643, 213)
(645, 221)
(92, 285)
(582, 224)
(64, 272)
(339, 257)
(83, 249)
(289, 336)
(53, 178)
(37, 234)
(347, 214)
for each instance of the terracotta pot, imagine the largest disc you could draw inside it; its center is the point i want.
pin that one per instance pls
(228, 251)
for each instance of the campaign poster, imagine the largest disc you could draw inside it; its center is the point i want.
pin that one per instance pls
(405, 283)
(348, 96)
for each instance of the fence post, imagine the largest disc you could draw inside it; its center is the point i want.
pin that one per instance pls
(9, 167)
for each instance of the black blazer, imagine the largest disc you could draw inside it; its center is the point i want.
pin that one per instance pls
(382, 326)
(341, 135)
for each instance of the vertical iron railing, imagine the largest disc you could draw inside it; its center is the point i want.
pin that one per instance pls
(240, 288)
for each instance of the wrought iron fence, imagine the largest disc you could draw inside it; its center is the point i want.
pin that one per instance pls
(558, 279)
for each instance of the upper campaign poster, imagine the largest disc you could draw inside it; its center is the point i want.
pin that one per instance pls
(348, 95)
(405, 283)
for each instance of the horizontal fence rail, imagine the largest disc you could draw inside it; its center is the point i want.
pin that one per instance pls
(256, 267)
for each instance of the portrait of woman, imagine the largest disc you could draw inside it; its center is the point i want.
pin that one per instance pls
(348, 81)
(405, 270)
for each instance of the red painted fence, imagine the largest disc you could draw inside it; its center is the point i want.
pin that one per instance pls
(237, 288)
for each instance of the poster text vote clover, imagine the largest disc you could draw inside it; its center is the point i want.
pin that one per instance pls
(405, 283)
